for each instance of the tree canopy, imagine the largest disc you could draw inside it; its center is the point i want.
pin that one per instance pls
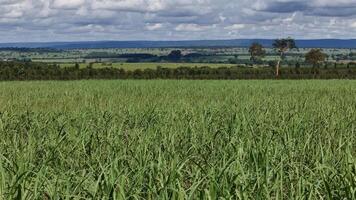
(315, 57)
(175, 55)
(284, 45)
(257, 52)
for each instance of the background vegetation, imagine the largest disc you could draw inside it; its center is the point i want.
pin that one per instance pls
(42, 71)
(255, 62)
(157, 55)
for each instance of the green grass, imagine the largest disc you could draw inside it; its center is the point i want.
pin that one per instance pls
(167, 139)
(134, 66)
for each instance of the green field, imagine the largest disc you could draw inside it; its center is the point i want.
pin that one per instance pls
(168, 139)
(134, 66)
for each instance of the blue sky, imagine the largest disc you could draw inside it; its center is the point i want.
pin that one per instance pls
(74, 20)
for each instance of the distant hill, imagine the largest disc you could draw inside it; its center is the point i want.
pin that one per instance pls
(322, 43)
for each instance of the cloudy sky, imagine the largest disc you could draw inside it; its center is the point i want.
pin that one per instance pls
(73, 20)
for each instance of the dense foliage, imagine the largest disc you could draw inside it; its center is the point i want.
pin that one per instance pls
(166, 139)
(315, 57)
(257, 52)
(41, 71)
(175, 55)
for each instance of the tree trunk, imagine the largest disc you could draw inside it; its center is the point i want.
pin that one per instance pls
(278, 65)
(277, 68)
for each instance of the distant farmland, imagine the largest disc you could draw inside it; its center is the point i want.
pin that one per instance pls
(134, 66)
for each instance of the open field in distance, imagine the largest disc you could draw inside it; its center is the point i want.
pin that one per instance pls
(134, 66)
(110, 55)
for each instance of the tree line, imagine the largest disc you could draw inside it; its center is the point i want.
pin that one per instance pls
(42, 71)
(173, 56)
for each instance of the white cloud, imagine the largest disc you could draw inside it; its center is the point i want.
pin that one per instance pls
(67, 4)
(129, 5)
(235, 27)
(192, 27)
(353, 25)
(13, 14)
(153, 27)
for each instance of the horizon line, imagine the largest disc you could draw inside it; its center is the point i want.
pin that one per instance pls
(188, 40)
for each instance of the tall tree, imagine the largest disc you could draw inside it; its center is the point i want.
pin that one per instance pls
(257, 52)
(282, 46)
(315, 57)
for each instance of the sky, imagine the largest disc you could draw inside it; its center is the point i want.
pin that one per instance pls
(92, 20)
